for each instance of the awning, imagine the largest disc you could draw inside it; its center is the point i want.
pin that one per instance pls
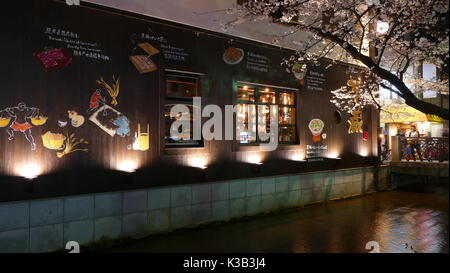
(396, 113)
(434, 118)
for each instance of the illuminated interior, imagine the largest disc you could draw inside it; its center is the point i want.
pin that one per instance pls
(253, 102)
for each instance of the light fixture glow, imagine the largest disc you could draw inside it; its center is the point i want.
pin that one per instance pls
(363, 152)
(199, 162)
(30, 171)
(254, 159)
(299, 156)
(128, 166)
(333, 155)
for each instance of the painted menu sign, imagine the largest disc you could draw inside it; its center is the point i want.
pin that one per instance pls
(169, 50)
(257, 62)
(315, 80)
(73, 43)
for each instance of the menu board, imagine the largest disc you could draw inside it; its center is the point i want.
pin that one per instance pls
(315, 79)
(73, 42)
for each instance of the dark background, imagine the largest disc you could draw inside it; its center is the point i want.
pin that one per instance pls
(141, 99)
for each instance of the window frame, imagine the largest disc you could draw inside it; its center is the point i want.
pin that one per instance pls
(278, 90)
(167, 100)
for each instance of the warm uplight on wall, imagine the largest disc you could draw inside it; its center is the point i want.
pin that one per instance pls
(199, 162)
(298, 156)
(334, 155)
(128, 166)
(363, 152)
(30, 171)
(254, 159)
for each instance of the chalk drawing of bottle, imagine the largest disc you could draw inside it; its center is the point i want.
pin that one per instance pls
(141, 139)
(135, 145)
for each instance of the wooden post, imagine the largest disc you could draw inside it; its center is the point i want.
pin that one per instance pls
(395, 148)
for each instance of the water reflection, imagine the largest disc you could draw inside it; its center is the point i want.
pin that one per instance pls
(399, 221)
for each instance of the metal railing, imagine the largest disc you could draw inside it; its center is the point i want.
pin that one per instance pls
(423, 149)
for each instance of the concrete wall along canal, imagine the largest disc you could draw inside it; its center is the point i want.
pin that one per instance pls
(48, 224)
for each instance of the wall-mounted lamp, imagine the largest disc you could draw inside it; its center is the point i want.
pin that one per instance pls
(30, 172)
(128, 167)
(335, 159)
(255, 160)
(257, 167)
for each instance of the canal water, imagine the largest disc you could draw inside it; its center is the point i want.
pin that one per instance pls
(400, 221)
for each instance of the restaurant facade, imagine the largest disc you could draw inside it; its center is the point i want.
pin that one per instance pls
(86, 150)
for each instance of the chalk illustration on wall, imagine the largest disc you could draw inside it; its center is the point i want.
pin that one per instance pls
(111, 121)
(95, 100)
(142, 62)
(53, 58)
(316, 126)
(62, 123)
(299, 71)
(22, 119)
(53, 141)
(70, 145)
(75, 119)
(141, 140)
(233, 55)
(112, 90)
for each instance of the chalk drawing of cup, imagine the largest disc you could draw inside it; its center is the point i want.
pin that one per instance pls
(316, 127)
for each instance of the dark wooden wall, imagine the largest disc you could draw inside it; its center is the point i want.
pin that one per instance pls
(141, 99)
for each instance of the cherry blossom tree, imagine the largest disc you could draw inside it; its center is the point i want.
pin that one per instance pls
(385, 37)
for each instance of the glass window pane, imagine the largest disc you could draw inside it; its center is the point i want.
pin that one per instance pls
(254, 114)
(286, 134)
(185, 138)
(263, 121)
(245, 94)
(267, 96)
(181, 87)
(286, 98)
(246, 123)
(287, 115)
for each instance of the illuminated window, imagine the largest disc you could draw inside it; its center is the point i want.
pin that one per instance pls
(250, 121)
(180, 89)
